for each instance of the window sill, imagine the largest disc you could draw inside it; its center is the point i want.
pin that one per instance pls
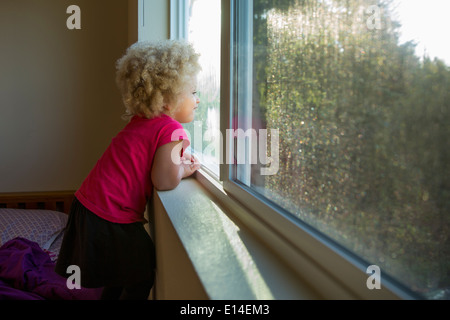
(228, 259)
(210, 247)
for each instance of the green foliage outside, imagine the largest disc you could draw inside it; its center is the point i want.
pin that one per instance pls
(364, 126)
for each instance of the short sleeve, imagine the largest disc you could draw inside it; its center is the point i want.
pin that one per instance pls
(173, 131)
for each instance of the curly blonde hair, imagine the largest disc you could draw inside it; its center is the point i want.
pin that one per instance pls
(153, 74)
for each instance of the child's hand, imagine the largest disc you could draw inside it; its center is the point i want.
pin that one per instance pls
(188, 158)
(190, 164)
(167, 170)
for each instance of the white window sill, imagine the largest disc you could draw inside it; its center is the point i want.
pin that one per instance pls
(228, 259)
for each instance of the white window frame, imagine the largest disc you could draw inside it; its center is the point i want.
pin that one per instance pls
(331, 270)
(179, 19)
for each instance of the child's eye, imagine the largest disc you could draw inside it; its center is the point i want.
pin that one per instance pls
(194, 93)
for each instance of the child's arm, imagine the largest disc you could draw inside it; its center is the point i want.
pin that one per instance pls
(167, 173)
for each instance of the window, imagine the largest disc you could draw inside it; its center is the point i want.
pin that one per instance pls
(340, 124)
(200, 24)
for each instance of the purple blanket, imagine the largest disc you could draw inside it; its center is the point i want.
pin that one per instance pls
(27, 273)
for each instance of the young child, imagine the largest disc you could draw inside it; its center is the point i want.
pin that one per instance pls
(105, 235)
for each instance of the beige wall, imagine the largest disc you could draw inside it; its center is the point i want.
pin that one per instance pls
(59, 106)
(176, 277)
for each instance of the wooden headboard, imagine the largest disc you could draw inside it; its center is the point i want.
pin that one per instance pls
(54, 200)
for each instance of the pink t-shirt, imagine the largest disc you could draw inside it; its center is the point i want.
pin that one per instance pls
(118, 187)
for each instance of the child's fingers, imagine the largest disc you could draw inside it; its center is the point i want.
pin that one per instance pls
(194, 167)
(189, 159)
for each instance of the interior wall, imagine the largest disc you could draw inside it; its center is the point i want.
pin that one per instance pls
(59, 105)
(176, 277)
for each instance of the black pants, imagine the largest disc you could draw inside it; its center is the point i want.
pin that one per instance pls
(109, 255)
(140, 291)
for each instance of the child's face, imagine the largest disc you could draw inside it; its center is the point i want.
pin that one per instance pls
(187, 106)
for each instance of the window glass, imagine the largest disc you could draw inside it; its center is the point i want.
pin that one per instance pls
(349, 101)
(204, 32)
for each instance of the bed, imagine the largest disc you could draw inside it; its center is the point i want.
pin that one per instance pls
(31, 233)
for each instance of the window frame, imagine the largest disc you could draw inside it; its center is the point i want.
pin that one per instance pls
(179, 26)
(330, 269)
(179, 19)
